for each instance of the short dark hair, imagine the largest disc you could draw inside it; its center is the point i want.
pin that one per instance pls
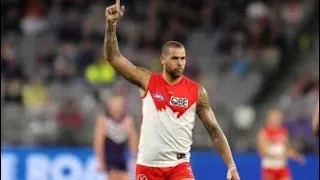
(171, 44)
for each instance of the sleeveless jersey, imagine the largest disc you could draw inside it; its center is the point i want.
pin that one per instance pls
(115, 140)
(277, 138)
(168, 115)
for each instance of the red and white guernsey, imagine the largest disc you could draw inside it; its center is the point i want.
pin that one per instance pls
(168, 115)
(277, 138)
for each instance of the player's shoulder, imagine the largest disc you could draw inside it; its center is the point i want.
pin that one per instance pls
(267, 131)
(190, 82)
(263, 130)
(155, 76)
(128, 120)
(283, 130)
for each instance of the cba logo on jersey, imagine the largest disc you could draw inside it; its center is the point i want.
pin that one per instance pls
(176, 101)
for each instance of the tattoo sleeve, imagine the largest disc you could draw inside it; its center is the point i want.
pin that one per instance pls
(218, 138)
(111, 47)
(136, 75)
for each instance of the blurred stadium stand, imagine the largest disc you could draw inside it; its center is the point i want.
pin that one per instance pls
(250, 55)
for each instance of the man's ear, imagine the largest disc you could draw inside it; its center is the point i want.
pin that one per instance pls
(162, 59)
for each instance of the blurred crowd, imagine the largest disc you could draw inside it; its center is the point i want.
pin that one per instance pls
(298, 106)
(54, 78)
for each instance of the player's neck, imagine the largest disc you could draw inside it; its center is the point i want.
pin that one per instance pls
(273, 126)
(170, 80)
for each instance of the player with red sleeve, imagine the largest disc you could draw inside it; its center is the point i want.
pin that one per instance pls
(171, 102)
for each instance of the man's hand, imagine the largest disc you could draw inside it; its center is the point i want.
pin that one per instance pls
(300, 159)
(233, 173)
(101, 168)
(114, 12)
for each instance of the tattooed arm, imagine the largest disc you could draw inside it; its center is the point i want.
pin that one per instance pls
(218, 138)
(136, 75)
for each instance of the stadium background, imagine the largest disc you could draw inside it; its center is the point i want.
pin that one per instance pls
(250, 55)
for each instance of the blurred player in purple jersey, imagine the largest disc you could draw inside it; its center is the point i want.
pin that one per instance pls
(115, 133)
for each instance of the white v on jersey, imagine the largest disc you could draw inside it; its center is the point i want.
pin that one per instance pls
(277, 137)
(168, 115)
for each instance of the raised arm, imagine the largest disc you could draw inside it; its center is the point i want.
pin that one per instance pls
(136, 75)
(218, 138)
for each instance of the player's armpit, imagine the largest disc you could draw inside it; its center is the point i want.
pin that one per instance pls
(136, 75)
(218, 138)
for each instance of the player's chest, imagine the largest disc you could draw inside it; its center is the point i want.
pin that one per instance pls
(277, 138)
(174, 97)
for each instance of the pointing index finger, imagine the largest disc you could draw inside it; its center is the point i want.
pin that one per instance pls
(118, 3)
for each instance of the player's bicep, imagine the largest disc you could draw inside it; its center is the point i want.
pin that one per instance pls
(136, 75)
(205, 112)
